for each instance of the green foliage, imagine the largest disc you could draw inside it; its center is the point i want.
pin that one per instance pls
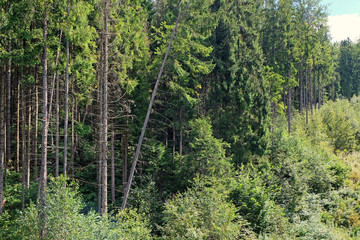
(342, 124)
(202, 212)
(64, 219)
(207, 155)
(253, 199)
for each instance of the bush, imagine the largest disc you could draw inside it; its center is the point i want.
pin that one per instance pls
(64, 219)
(254, 203)
(202, 212)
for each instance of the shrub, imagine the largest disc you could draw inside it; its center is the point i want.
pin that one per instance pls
(64, 219)
(202, 212)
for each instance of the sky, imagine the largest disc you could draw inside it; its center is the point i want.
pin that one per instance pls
(344, 19)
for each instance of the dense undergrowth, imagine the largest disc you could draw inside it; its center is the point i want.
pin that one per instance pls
(306, 186)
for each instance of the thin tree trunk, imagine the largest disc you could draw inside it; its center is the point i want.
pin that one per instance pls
(8, 120)
(73, 144)
(100, 150)
(66, 120)
(18, 128)
(125, 143)
(36, 119)
(23, 145)
(181, 135)
(28, 146)
(105, 112)
(57, 131)
(2, 142)
(310, 91)
(301, 88)
(43, 171)
(306, 98)
(174, 143)
(141, 138)
(319, 101)
(113, 164)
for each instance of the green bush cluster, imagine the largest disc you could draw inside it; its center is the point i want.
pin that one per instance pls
(64, 219)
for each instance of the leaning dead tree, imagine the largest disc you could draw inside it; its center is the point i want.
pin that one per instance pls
(141, 138)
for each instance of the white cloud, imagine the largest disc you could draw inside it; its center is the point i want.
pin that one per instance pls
(344, 26)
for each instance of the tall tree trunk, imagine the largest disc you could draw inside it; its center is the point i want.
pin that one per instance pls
(73, 144)
(100, 150)
(8, 120)
(174, 143)
(306, 97)
(36, 119)
(2, 142)
(319, 100)
(105, 112)
(181, 135)
(125, 145)
(28, 155)
(18, 127)
(43, 170)
(289, 108)
(142, 134)
(66, 120)
(57, 131)
(23, 145)
(310, 91)
(113, 164)
(301, 86)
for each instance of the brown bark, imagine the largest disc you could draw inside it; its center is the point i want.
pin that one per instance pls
(319, 99)
(18, 128)
(105, 112)
(57, 125)
(43, 170)
(28, 155)
(2, 142)
(36, 118)
(113, 164)
(23, 146)
(301, 86)
(125, 144)
(73, 142)
(174, 142)
(181, 135)
(8, 119)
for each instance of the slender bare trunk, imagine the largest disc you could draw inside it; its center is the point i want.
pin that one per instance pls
(125, 143)
(8, 119)
(36, 119)
(113, 164)
(2, 142)
(18, 128)
(174, 142)
(181, 135)
(28, 155)
(66, 120)
(306, 98)
(142, 134)
(105, 112)
(57, 131)
(100, 150)
(73, 144)
(23, 145)
(43, 170)
(301, 86)
(319, 100)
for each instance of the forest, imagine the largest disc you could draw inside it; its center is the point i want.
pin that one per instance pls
(248, 116)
